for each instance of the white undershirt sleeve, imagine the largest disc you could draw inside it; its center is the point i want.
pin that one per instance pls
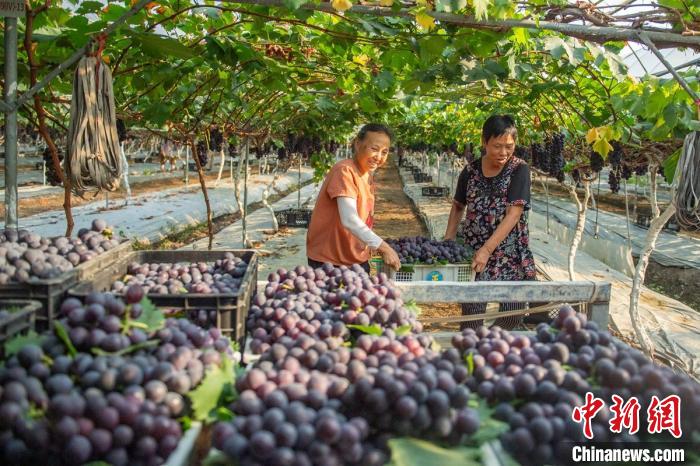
(347, 207)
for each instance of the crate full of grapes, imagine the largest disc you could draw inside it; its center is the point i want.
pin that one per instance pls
(297, 218)
(424, 259)
(212, 288)
(435, 191)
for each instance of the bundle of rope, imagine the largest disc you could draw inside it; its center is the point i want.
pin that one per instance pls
(687, 199)
(93, 161)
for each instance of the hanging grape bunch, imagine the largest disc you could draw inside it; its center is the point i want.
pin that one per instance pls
(121, 130)
(555, 148)
(202, 153)
(614, 181)
(216, 139)
(615, 156)
(232, 150)
(52, 176)
(596, 161)
(540, 159)
(521, 152)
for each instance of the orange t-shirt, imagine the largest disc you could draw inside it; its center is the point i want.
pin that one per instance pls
(327, 240)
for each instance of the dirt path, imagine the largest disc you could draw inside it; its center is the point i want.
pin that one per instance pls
(393, 211)
(394, 217)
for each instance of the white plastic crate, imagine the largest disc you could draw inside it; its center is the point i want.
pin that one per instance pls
(433, 272)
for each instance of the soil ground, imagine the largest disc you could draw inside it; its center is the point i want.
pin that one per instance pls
(395, 216)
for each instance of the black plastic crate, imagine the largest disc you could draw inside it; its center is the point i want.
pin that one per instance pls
(231, 308)
(435, 191)
(644, 220)
(20, 321)
(88, 269)
(49, 292)
(422, 178)
(293, 218)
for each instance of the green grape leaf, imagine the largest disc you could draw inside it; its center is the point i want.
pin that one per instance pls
(469, 359)
(413, 307)
(13, 345)
(414, 452)
(224, 414)
(489, 428)
(61, 333)
(151, 317)
(205, 398)
(368, 329)
(403, 330)
(216, 458)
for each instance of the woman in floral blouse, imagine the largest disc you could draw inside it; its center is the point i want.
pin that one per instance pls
(495, 193)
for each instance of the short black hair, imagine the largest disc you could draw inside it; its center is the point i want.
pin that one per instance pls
(374, 128)
(498, 125)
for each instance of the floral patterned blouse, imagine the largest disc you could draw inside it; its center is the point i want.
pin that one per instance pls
(486, 200)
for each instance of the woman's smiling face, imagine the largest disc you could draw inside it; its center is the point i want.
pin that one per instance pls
(371, 152)
(500, 148)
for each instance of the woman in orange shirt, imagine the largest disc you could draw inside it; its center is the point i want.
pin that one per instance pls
(340, 231)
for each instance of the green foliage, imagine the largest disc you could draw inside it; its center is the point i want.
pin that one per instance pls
(206, 398)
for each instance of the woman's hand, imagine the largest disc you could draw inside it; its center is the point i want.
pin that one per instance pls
(480, 259)
(389, 256)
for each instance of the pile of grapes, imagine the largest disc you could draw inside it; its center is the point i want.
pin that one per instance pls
(223, 276)
(322, 303)
(25, 256)
(63, 407)
(309, 400)
(312, 399)
(535, 383)
(419, 250)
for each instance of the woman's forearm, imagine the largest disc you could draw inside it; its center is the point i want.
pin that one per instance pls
(456, 214)
(504, 228)
(351, 220)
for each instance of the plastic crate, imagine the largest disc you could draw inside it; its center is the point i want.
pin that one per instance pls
(433, 272)
(435, 191)
(20, 321)
(88, 269)
(49, 292)
(231, 308)
(299, 218)
(644, 221)
(422, 178)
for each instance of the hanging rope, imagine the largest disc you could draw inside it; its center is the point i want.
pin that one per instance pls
(93, 155)
(687, 199)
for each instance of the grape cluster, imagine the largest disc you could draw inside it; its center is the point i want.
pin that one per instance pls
(416, 249)
(555, 148)
(321, 303)
(25, 255)
(540, 157)
(121, 130)
(614, 181)
(223, 276)
(52, 176)
(596, 161)
(549, 374)
(523, 153)
(120, 409)
(202, 153)
(216, 139)
(615, 156)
